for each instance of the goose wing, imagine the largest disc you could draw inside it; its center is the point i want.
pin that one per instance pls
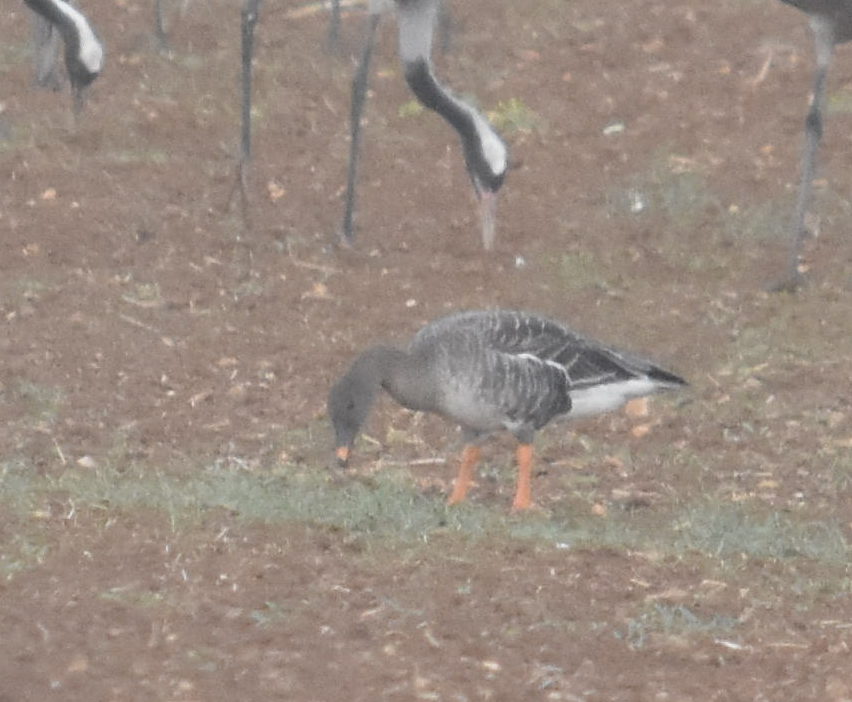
(494, 371)
(527, 369)
(484, 389)
(586, 361)
(502, 330)
(529, 390)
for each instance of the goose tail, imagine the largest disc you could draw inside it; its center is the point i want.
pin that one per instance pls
(664, 379)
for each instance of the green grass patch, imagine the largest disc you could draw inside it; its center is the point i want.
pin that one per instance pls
(412, 108)
(21, 552)
(389, 507)
(718, 530)
(673, 620)
(513, 116)
(145, 295)
(765, 221)
(683, 198)
(19, 487)
(30, 288)
(679, 207)
(578, 270)
(384, 507)
(839, 102)
(785, 340)
(137, 598)
(271, 613)
(154, 157)
(725, 530)
(42, 402)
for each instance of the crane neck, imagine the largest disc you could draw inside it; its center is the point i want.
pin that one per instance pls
(484, 151)
(81, 43)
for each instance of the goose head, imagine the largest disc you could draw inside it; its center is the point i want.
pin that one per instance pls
(349, 403)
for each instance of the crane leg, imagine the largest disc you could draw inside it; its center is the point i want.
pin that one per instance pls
(160, 28)
(359, 94)
(445, 28)
(333, 37)
(48, 46)
(824, 39)
(249, 13)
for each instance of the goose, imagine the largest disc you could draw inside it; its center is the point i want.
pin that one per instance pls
(489, 371)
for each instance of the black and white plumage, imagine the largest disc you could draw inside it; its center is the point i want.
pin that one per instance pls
(831, 23)
(485, 153)
(84, 52)
(493, 370)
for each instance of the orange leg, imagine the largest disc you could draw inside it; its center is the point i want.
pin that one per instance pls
(523, 494)
(470, 457)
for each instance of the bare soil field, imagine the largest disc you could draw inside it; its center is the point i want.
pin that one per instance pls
(169, 525)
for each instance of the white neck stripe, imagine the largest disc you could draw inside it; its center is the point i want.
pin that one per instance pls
(91, 53)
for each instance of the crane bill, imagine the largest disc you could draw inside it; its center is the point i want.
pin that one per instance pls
(78, 98)
(488, 217)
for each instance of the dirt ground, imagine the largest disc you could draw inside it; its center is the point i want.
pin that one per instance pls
(143, 324)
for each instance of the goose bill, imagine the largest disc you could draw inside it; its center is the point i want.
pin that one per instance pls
(342, 454)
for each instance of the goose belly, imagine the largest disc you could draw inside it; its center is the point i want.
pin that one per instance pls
(472, 411)
(597, 399)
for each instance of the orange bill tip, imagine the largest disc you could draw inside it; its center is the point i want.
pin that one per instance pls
(342, 453)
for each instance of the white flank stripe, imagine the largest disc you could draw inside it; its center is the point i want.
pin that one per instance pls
(610, 396)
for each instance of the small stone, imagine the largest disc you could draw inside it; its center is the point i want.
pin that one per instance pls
(87, 462)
